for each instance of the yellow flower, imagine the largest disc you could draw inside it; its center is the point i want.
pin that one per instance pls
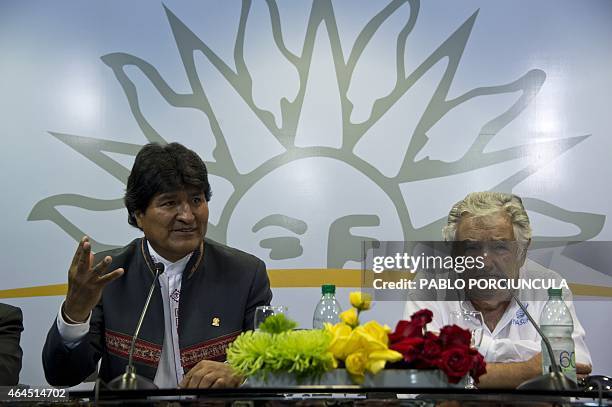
(359, 361)
(350, 317)
(363, 348)
(361, 301)
(378, 359)
(377, 331)
(340, 335)
(337, 329)
(354, 342)
(366, 341)
(356, 364)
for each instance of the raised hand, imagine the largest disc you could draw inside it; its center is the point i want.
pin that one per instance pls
(85, 283)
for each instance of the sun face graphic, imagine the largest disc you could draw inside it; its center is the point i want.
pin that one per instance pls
(310, 187)
(318, 207)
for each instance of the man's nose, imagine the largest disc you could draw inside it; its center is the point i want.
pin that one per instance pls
(184, 212)
(488, 260)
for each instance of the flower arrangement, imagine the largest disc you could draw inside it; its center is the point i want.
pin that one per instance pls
(277, 348)
(362, 348)
(449, 351)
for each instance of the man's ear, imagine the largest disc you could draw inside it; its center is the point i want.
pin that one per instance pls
(138, 215)
(524, 249)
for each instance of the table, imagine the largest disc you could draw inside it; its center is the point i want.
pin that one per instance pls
(345, 396)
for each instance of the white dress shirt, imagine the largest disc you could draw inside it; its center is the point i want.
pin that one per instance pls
(169, 370)
(513, 339)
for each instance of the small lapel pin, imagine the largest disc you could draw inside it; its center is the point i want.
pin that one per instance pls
(216, 321)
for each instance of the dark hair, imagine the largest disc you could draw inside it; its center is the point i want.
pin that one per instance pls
(163, 168)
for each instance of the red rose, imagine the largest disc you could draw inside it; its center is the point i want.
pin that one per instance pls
(432, 349)
(412, 328)
(479, 366)
(422, 317)
(406, 329)
(456, 362)
(452, 335)
(410, 348)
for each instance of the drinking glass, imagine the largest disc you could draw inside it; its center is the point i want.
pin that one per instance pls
(473, 322)
(470, 320)
(264, 311)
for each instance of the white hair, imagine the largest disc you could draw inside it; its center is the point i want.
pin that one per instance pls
(487, 203)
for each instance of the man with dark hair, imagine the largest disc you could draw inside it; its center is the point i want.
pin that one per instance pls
(206, 295)
(11, 325)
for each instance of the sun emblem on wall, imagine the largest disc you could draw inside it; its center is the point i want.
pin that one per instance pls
(316, 177)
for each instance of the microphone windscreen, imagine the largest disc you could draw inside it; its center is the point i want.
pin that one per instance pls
(159, 267)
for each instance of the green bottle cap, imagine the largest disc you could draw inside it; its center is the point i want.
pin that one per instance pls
(328, 289)
(555, 292)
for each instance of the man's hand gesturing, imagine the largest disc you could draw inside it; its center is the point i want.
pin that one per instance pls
(85, 283)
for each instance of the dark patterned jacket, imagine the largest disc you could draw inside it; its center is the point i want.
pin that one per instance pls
(220, 289)
(11, 325)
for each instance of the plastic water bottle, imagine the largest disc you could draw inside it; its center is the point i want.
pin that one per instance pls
(557, 324)
(328, 309)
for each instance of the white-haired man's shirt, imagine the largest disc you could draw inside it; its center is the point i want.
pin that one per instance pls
(514, 339)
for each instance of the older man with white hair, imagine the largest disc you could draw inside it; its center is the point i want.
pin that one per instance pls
(510, 344)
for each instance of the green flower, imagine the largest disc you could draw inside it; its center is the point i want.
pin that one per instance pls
(276, 324)
(304, 353)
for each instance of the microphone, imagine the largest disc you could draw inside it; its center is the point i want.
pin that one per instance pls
(130, 380)
(554, 380)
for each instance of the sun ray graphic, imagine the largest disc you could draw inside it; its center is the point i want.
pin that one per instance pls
(311, 133)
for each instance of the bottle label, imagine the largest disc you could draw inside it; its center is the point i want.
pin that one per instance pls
(567, 360)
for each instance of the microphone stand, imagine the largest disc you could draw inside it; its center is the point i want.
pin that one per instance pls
(130, 380)
(554, 380)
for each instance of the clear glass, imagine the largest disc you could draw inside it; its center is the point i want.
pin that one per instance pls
(473, 321)
(264, 311)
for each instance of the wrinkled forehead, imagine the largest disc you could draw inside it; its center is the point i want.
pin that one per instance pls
(494, 226)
